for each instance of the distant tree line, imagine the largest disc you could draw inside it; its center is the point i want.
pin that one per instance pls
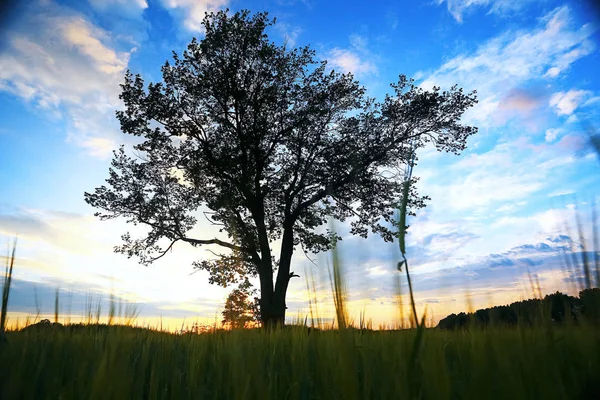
(556, 308)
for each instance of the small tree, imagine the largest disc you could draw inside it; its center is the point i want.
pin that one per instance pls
(241, 307)
(273, 145)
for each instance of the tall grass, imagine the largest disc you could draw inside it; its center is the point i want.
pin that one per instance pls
(414, 365)
(8, 272)
(338, 288)
(56, 305)
(297, 364)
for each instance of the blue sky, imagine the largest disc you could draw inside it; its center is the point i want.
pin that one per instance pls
(495, 211)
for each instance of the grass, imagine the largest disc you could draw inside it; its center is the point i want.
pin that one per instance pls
(10, 263)
(298, 364)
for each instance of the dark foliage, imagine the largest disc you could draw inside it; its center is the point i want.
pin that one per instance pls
(46, 325)
(557, 308)
(241, 307)
(43, 324)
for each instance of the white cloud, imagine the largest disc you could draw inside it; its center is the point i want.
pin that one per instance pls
(561, 192)
(85, 37)
(591, 101)
(565, 103)
(192, 11)
(513, 58)
(64, 64)
(572, 119)
(552, 72)
(476, 187)
(349, 61)
(358, 42)
(545, 223)
(489, 180)
(520, 100)
(357, 59)
(458, 7)
(552, 134)
(290, 33)
(98, 147)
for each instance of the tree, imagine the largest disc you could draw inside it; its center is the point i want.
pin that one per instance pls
(240, 310)
(273, 144)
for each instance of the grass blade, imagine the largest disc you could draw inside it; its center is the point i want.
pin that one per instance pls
(10, 262)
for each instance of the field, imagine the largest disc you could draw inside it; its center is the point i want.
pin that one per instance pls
(101, 362)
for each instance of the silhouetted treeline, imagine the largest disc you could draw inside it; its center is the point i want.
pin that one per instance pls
(46, 326)
(557, 308)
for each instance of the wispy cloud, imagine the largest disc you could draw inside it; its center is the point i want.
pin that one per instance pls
(86, 39)
(490, 179)
(552, 134)
(357, 59)
(565, 103)
(192, 11)
(349, 61)
(60, 61)
(499, 7)
(498, 67)
(289, 32)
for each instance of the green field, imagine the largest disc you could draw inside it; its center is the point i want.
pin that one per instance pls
(100, 362)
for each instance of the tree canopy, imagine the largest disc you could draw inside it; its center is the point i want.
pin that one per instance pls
(241, 307)
(268, 143)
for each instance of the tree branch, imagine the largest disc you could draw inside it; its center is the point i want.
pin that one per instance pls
(164, 252)
(199, 242)
(348, 178)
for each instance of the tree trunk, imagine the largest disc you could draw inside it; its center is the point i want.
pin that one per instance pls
(266, 293)
(273, 315)
(272, 302)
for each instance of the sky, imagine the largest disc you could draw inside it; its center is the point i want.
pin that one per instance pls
(497, 211)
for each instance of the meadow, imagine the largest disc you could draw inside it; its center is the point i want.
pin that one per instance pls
(295, 363)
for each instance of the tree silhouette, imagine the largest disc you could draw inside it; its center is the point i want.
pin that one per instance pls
(557, 308)
(241, 307)
(273, 144)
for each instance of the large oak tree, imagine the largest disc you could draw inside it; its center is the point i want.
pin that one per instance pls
(272, 143)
